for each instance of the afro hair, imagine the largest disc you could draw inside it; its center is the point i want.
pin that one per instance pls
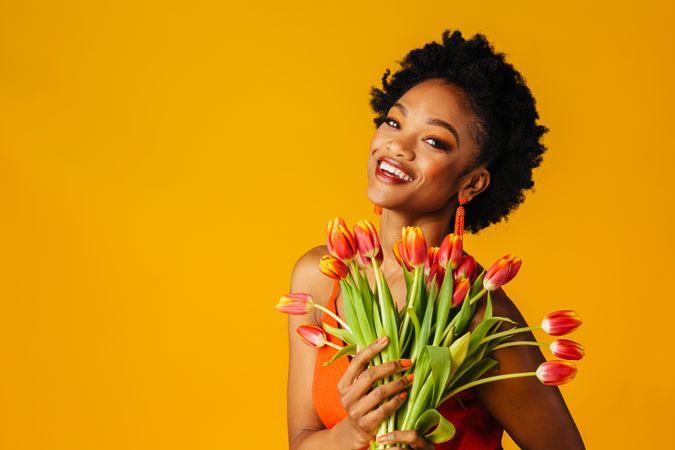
(507, 132)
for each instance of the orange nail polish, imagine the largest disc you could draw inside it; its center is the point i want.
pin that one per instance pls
(410, 377)
(403, 395)
(383, 438)
(406, 362)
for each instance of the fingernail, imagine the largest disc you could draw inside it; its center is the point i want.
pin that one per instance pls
(406, 362)
(382, 438)
(403, 394)
(382, 340)
(410, 377)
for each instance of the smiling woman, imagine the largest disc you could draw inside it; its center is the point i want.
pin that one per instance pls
(456, 122)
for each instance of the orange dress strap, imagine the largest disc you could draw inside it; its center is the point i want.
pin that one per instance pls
(325, 395)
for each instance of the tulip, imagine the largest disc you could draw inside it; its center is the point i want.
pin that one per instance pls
(432, 258)
(296, 303)
(314, 336)
(413, 246)
(566, 349)
(339, 240)
(451, 251)
(437, 271)
(367, 239)
(460, 290)
(467, 268)
(558, 323)
(333, 267)
(553, 373)
(397, 254)
(501, 272)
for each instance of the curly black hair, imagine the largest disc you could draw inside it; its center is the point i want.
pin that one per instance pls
(506, 130)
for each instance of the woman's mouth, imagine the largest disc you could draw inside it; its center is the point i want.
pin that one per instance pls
(390, 174)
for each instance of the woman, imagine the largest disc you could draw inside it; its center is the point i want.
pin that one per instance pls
(455, 122)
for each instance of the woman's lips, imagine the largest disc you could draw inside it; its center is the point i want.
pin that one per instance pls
(386, 177)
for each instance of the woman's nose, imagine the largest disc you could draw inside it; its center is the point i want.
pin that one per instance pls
(402, 147)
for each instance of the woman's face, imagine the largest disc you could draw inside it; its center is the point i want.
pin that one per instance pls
(426, 135)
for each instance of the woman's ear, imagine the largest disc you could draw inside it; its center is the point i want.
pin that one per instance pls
(476, 182)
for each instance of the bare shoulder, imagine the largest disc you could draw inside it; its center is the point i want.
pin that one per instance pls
(306, 277)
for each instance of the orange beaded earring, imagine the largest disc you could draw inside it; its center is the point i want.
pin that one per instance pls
(377, 210)
(459, 216)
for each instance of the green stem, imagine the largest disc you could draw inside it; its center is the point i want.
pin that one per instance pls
(511, 344)
(487, 380)
(413, 292)
(334, 316)
(508, 333)
(475, 298)
(335, 346)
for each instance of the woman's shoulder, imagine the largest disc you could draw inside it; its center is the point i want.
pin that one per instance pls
(306, 276)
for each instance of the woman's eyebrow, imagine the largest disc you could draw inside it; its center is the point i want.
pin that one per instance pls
(432, 121)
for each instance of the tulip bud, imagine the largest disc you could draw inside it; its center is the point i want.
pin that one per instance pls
(501, 272)
(367, 239)
(460, 288)
(467, 268)
(553, 373)
(558, 323)
(451, 251)
(566, 349)
(413, 246)
(397, 254)
(333, 267)
(339, 240)
(295, 303)
(312, 335)
(432, 258)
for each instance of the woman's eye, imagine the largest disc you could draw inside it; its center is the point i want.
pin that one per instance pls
(439, 144)
(388, 121)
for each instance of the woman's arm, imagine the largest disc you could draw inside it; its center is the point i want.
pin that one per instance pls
(305, 430)
(533, 414)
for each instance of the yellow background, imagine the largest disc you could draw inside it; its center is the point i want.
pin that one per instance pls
(163, 165)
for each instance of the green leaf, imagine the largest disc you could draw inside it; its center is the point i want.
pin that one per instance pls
(488, 307)
(444, 429)
(458, 351)
(416, 327)
(441, 363)
(444, 306)
(477, 284)
(474, 372)
(348, 350)
(339, 333)
(350, 314)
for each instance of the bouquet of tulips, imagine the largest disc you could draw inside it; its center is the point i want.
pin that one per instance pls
(432, 329)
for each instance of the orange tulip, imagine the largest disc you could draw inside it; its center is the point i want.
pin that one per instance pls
(451, 251)
(501, 272)
(339, 240)
(553, 373)
(367, 239)
(558, 323)
(312, 335)
(460, 288)
(397, 254)
(333, 267)
(566, 349)
(297, 303)
(413, 246)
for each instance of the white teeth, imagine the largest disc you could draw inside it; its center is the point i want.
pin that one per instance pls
(393, 170)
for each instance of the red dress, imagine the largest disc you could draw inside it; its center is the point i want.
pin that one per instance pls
(475, 428)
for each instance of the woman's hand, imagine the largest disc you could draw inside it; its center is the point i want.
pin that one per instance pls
(365, 414)
(411, 437)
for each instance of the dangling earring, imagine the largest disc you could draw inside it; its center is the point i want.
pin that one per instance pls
(377, 210)
(459, 216)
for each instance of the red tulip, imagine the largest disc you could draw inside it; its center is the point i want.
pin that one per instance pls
(367, 239)
(333, 267)
(432, 257)
(437, 271)
(566, 349)
(460, 288)
(553, 373)
(312, 335)
(501, 272)
(558, 323)
(467, 268)
(297, 303)
(339, 240)
(451, 251)
(413, 246)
